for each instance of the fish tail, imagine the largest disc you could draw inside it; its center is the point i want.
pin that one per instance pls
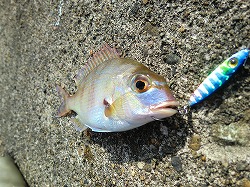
(64, 108)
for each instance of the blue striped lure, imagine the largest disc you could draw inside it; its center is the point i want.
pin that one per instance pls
(219, 76)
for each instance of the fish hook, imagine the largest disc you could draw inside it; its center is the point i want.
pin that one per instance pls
(184, 110)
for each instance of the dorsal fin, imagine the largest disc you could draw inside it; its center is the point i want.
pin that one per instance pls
(104, 54)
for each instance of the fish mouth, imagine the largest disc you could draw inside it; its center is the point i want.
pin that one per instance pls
(164, 109)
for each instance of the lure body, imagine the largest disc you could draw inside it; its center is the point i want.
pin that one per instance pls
(219, 76)
(117, 94)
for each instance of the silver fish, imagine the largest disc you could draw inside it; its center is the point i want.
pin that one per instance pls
(117, 94)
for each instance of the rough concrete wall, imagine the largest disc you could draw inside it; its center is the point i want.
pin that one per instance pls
(44, 43)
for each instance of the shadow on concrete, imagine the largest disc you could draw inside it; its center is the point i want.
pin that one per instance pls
(151, 141)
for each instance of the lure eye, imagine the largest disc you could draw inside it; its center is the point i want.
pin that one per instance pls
(140, 83)
(233, 62)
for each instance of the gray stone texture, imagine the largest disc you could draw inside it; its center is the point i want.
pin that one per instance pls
(44, 43)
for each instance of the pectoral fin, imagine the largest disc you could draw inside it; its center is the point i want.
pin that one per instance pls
(114, 109)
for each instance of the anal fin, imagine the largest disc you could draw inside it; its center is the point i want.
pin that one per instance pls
(79, 126)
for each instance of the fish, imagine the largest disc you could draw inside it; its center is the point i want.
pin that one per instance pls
(219, 76)
(116, 94)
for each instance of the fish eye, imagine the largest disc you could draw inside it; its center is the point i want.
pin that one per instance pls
(140, 83)
(233, 62)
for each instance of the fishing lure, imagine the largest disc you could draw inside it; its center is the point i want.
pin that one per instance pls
(219, 76)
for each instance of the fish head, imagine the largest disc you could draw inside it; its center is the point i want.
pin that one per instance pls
(153, 94)
(147, 98)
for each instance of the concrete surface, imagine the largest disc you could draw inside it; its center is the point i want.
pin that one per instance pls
(44, 43)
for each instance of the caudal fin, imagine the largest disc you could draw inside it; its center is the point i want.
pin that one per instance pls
(63, 109)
